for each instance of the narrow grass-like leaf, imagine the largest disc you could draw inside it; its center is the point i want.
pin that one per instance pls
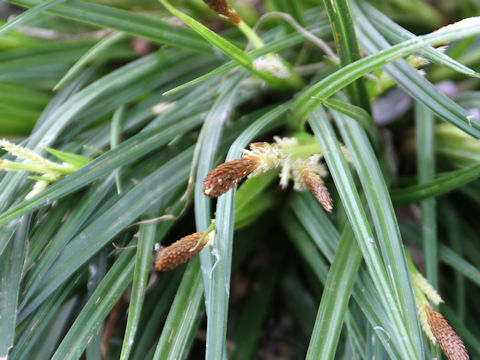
(393, 300)
(424, 126)
(96, 272)
(65, 233)
(115, 131)
(131, 23)
(274, 46)
(204, 159)
(146, 242)
(256, 305)
(436, 187)
(453, 227)
(395, 33)
(127, 152)
(29, 14)
(156, 307)
(335, 298)
(98, 306)
(424, 122)
(229, 49)
(308, 211)
(220, 276)
(347, 47)
(37, 324)
(11, 264)
(384, 219)
(411, 82)
(160, 186)
(53, 334)
(182, 316)
(248, 193)
(446, 255)
(74, 159)
(43, 235)
(311, 98)
(356, 113)
(90, 55)
(45, 128)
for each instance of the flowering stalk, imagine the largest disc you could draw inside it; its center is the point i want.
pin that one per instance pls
(50, 171)
(296, 160)
(314, 183)
(450, 343)
(271, 63)
(433, 323)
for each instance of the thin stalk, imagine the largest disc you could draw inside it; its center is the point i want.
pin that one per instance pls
(425, 140)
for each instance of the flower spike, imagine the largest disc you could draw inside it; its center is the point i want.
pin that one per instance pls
(316, 186)
(182, 250)
(260, 158)
(295, 159)
(450, 343)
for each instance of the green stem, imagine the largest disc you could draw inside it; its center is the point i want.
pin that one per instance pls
(251, 35)
(17, 166)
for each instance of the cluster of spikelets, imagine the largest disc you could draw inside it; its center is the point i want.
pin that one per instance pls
(437, 329)
(50, 171)
(306, 172)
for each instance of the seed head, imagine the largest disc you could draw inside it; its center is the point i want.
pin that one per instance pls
(181, 251)
(222, 8)
(449, 341)
(307, 176)
(261, 157)
(227, 175)
(316, 186)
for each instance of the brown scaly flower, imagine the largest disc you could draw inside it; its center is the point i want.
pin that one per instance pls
(181, 251)
(449, 341)
(306, 172)
(260, 158)
(222, 8)
(316, 186)
(307, 176)
(227, 175)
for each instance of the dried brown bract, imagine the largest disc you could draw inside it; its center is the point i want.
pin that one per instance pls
(181, 251)
(227, 175)
(449, 341)
(222, 8)
(316, 186)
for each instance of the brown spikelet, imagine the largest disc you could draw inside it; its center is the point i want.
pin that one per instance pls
(316, 186)
(221, 7)
(227, 175)
(180, 251)
(449, 341)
